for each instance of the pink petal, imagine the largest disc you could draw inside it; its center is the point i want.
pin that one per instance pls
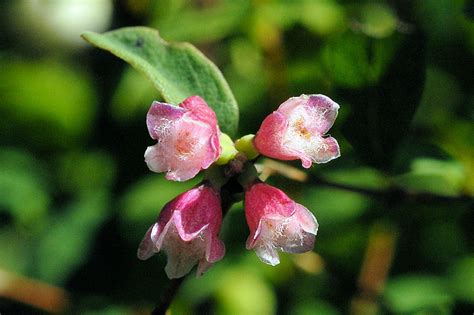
(306, 219)
(291, 104)
(188, 138)
(281, 234)
(159, 160)
(296, 131)
(184, 152)
(199, 206)
(187, 230)
(160, 119)
(200, 110)
(268, 139)
(215, 250)
(265, 200)
(300, 232)
(195, 143)
(182, 255)
(277, 223)
(146, 248)
(320, 109)
(306, 162)
(155, 158)
(324, 111)
(267, 254)
(327, 150)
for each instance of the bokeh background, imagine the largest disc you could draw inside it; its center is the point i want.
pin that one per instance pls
(395, 210)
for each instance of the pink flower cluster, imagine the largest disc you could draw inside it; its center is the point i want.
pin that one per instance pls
(188, 141)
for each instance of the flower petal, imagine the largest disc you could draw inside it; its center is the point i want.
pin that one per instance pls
(324, 112)
(188, 138)
(268, 140)
(182, 255)
(296, 130)
(277, 223)
(299, 231)
(306, 219)
(326, 150)
(187, 231)
(161, 118)
(200, 110)
(321, 111)
(155, 159)
(262, 200)
(147, 246)
(215, 250)
(267, 254)
(184, 152)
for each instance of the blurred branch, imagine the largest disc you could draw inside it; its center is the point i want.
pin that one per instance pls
(33, 292)
(364, 191)
(270, 167)
(271, 40)
(392, 192)
(375, 267)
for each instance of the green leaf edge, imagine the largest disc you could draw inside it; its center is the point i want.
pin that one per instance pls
(141, 65)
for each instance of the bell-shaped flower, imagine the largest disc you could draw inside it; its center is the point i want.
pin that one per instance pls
(187, 231)
(297, 131)
(187, 136)
(277, 223)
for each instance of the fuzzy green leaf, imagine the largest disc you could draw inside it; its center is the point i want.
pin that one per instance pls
(177, 70)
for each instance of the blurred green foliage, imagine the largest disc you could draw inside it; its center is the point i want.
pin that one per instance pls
(48, 95)
(76, 196)
(415, 294)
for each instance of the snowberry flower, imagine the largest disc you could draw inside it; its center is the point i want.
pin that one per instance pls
(296, 130)
(277, 223)
(187, 135)
(186, 230)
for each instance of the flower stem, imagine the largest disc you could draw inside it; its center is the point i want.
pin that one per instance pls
(168, 296)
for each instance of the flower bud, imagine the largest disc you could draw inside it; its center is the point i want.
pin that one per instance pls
(277, 223)
(228, 150)
(246, 146)
(296, 131)
(186, 230)
(187, 138)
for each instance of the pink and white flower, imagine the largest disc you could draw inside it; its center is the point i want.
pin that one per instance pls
(187, 136)
(277, 223)
(296, 131)
(187, 231)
